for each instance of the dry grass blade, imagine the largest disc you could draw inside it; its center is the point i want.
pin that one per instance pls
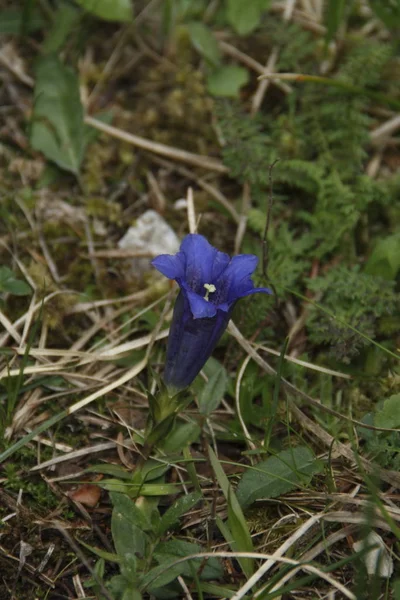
(9, 327)
(246, 432)
(329, 541)
(108, 388)
(267, 557)
(74, 454)
(391, 477)
(303, 363)
(297, 535)
(170, 152)
(233, 330)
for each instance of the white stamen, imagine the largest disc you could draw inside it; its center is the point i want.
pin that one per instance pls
(210, 287)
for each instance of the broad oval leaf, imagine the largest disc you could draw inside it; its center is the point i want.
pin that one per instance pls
(245, 16)
(9, 283)
(227, 81)
(109, 10)
(204, 41)
(213, 392)
(130, 542)
(132, 513)
(278, 475)
(57, 123)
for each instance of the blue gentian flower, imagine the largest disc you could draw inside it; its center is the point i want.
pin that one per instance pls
(210, 284)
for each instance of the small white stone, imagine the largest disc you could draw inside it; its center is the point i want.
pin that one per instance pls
(150, 234)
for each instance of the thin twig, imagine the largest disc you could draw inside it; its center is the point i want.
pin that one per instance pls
(162, 149)
(191, 214)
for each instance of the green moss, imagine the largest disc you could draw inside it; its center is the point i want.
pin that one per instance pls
(101, 208)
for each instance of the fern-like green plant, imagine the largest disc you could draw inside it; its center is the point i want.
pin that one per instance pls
(356, 299)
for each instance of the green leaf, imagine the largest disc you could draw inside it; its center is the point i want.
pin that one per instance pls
(129, 540)
(179, 508)
(122, 588)
(113, 470)
(166, 553)
(217, 591)
(277, 475)
(126, 506)
(169, 551)
(240, 533)
(9, 283)
(131, 593)
(204, 42)
(182, 435)
(11, 22)
(385, 258)
(151, 470)
(388, 11)
(236, 521)
(245, 16)
(335, 12)
(227, 81)
(109, 10)
(160, 576)
(389, 415)
(65, 20)
(146, 489)
(57, 123)
(108, 556)
(213, 392)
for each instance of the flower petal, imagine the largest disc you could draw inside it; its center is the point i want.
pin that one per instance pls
(256, 291)
(200, 256)
(235, 281)
(200, 307)
(190, 343)
(172, 266)
(221, 261)
(242, 266)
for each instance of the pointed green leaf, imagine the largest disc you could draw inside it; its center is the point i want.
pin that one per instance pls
(181, 435)
(213, 392)
(335, 12)
(9, 283)
(57, 123)
(277, 475)
(129, 540)
(103, 554)
(236, 521)
(109, 10)
(204, 41)
(179, 508)
(127, 507)
(66, 18)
